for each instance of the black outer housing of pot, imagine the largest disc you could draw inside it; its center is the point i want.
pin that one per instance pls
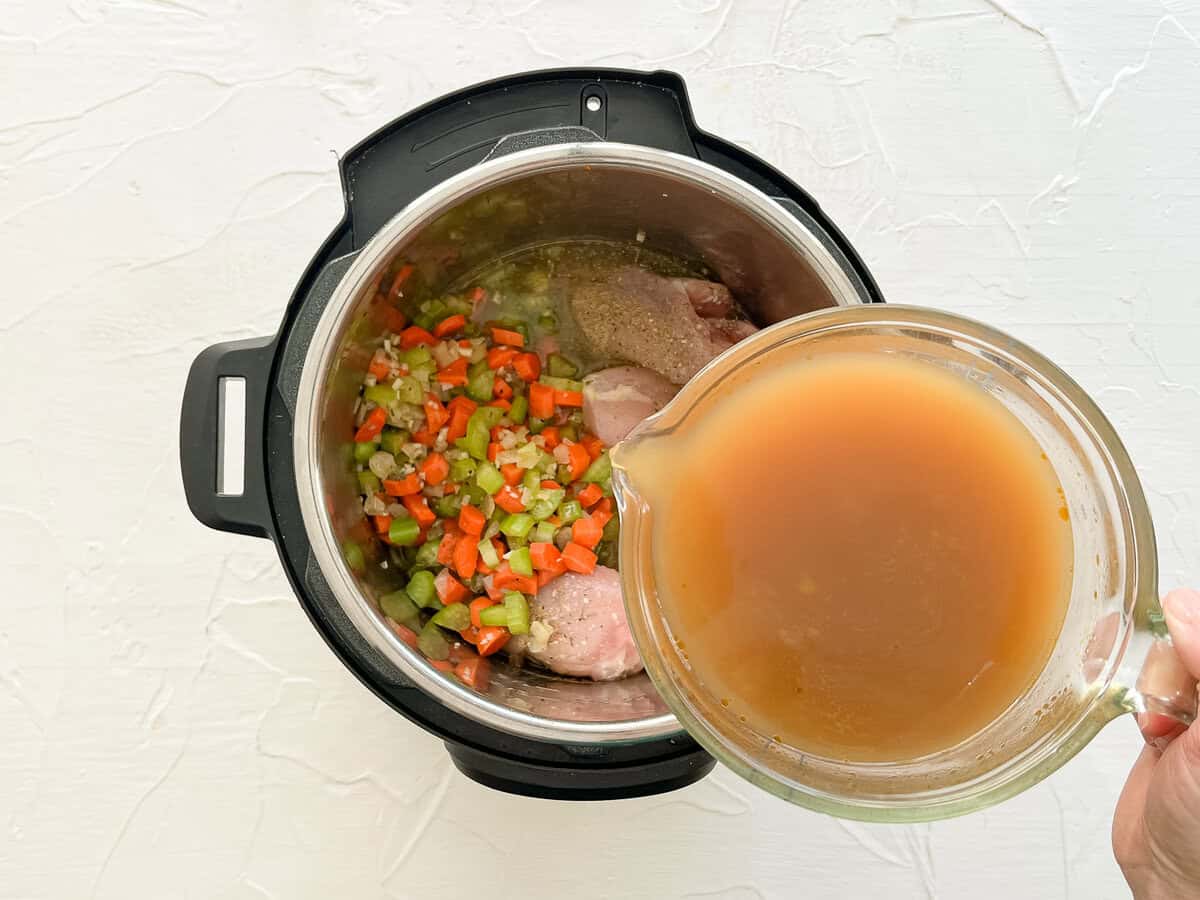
(380, 176)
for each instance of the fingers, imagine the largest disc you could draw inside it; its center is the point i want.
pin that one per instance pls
(1159, 730)
(1182, 611)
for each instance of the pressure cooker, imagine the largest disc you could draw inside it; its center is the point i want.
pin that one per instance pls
(595, 154)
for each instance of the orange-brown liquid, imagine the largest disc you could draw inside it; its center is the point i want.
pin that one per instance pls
(865, 556)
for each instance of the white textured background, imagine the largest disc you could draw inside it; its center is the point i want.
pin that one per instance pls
(171, 726)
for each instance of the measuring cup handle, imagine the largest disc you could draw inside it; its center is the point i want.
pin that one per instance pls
(1164, 685)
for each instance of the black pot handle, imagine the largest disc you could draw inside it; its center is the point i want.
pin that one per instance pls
(583, 781)
(200, 434)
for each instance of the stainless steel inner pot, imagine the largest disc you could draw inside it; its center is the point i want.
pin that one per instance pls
(775, 260)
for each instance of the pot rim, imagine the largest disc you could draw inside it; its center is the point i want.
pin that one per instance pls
(319, 359)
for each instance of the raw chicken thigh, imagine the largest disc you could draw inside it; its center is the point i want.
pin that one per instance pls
(617, 399)
(589, 635)
(672, 326)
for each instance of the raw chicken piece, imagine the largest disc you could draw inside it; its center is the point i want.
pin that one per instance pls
(669, 325)
(617, 399)
(590, 637)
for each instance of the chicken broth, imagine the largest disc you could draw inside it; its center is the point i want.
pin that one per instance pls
(862, 555)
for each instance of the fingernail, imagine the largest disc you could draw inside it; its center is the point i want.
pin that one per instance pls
(1182, 608)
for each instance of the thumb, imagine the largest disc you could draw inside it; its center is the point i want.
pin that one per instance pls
(1182, 611)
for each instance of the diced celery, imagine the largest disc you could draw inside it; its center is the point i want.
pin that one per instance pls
(612, 529)
(532, 480)
(417, 356)
(488, 477)
(379, 394)
(489, 415)
(543, 533)
(494, 615)
(561, 384)
(399, 607)
(569, 433)
(364, 451)
(447, 507)
(570, 511)
(427, 554)
(542, 509)
(368, 482)
(487, 552)
(404, 532)
(456, 617)
(560, 367)
(462, 469)
(517, 609)
(479, 387)
(520, 408)
(520, 562)
(548, 322)
(409, 389)
(422, 589)
(600, 470)
(432, 642)
(528, 455)
(517, 525)
(393, 439)
(354, 557)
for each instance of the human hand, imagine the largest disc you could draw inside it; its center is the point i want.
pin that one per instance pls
(1156, 828)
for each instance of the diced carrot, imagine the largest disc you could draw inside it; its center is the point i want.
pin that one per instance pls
(381, 366)
(579, 559)
(578, 460)
(478, 605)
(601, 517)
(541, 400)
(478, 294)
(550, 485)
(460, 413)
(606, 505)
(471, 520)
(506, 336)
(493, 451)
(473, 673)
(568, 398)
(500, 356)
(435, 468)
(501, 404)
(590, 496)
(402, 487)
(497, 432)
(508, 498)
(501, 389)
(512, 473)
(470, 634)
(418, 508)
(527, 366)
(494, 592)
(402, 275)
(556, 521)
(393, 319)
(435, 413)
(413, 335)
(544, 577)
(404, 633)
(594, 445)
(586, 532)
(372, 425)
(492, 639)
(450, 325)
(382, 523)
(506, 578)
(454, 375)
(445, 554)
(546, 557)
(425, 437)
(551, 437)
(466, 553)
(442, 665)
(450, 589)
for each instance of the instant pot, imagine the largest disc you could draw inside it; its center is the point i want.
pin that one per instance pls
(513, 163)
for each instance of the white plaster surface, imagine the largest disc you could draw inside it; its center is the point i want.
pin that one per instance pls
(170, 724)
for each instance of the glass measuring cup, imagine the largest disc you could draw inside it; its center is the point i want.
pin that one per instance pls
(1112, 656)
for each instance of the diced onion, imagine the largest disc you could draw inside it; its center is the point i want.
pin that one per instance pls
(382, 464)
